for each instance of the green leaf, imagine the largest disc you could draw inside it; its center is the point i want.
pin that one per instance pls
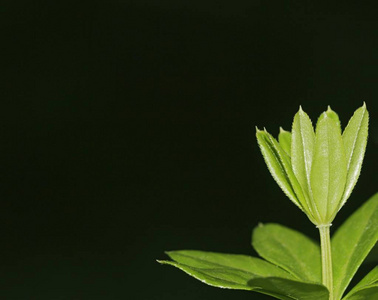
(276, 166)
(355, 140)
(302, 148)
(226, 278)
(289, 289)
(367, 288)
(284, 138)
(244, 273)
(333, 115)
(329, 168)
(352, 242)
(284, 158)
(205, 259)
(290, 250)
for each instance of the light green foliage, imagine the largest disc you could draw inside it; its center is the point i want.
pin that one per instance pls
(352, 242)
(302, 149)
(280, 246)
(252, 267)
(244, 273)
(279, 165)
(284, 139)
(323, 167)
(317, 170)
(277, 162)
(331, 114)
(355, 139)
(329, 168)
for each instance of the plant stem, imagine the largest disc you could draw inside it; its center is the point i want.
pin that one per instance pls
(325, 244)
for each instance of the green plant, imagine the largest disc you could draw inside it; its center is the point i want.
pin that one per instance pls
(317, 171)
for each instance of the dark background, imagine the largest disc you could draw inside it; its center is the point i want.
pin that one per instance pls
(127, 129)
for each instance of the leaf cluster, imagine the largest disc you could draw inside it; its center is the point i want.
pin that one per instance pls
(318, 169)
(290, 263)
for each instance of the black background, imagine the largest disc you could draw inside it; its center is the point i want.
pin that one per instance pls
(128, 129)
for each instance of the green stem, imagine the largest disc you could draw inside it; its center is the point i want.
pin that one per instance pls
(325, 244)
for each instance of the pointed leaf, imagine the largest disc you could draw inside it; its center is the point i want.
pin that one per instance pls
(352, 242)
(240, 272)
(284, 158)
(226, 278)
(284, 138)
(333, 115)
(302, 148)
(206, 260)
(355, 140)
(288, 249)
(276, 166)
(328, 173)
(367, 288)
(231, 271)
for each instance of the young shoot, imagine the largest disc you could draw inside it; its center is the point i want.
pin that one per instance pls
(317, 170)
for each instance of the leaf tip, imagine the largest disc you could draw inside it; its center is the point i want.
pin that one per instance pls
(257, 129)
(301, 112)
(258, 132)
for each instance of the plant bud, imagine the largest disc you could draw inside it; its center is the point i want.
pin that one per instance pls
(317, 170)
